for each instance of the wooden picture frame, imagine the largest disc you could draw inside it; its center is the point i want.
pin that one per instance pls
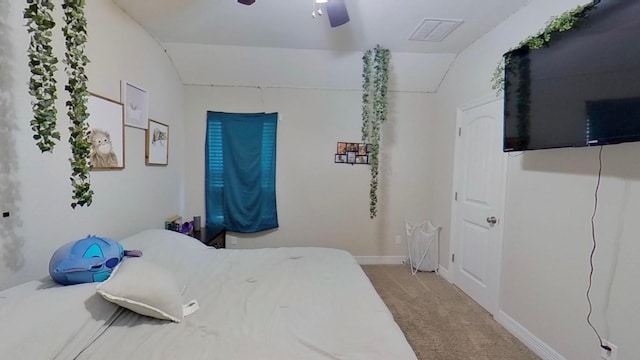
(106, 133)
(157, 144)
(136, 105)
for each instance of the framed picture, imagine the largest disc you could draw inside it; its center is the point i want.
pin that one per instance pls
(157, 152)
(342, 148)
(362, 149)
(351, 157)
(106, 133)
(353, 153)
(136, 105)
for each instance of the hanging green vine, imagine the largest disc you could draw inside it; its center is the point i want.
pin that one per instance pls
(42, 63)
(366, 94)
(566, 21)
(75, 35)
(374, 114)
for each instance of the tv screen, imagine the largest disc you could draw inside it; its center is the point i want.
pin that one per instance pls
(581, 90)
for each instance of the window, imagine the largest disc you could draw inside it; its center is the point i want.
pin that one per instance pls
(240, 172)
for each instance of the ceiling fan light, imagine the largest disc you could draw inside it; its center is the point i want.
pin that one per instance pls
(337, 13)
(321, 1)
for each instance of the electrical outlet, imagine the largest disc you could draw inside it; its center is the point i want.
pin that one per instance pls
(398, 239)
(606, 354)
(234, 241)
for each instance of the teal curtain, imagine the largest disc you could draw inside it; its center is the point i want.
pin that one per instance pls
(240, 172)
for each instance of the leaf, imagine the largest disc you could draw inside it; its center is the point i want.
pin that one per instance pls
(374, 109)
(566, 21)
(42, 85)
(75, 38)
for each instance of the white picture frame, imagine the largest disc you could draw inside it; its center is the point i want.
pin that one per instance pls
(136, 105)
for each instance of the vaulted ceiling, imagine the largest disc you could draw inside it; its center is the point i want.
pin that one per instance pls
(278, 43)
(289, 24)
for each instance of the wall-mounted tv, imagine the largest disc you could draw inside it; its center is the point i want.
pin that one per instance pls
(581, 90)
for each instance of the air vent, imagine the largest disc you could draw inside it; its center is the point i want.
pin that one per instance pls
(434, 29)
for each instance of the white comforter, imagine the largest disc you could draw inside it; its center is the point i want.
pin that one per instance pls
(281, 303)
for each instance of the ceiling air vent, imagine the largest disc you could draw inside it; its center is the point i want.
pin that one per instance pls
(434, 29)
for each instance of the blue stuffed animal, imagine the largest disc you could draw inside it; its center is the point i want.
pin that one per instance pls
(91, 259)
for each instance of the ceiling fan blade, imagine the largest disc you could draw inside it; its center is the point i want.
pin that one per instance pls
(246, 2)
(337, 13)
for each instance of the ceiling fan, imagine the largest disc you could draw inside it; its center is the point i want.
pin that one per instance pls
(336, 10)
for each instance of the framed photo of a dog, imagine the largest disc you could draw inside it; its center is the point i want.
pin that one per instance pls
(157, 144)
(136, 105)
(106, 133)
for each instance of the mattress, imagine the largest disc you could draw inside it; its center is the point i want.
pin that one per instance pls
(276, 303)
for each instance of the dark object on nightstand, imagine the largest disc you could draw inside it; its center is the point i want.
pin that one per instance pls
(197, 229)
(217, 240)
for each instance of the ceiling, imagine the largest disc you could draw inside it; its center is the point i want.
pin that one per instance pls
(289, 24)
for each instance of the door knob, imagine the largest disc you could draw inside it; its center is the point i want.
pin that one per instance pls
(492, 220)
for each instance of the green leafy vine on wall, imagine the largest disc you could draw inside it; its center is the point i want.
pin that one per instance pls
(75, 34)
(42, 86)
(42, 63)
(566, 21)
(374, 113)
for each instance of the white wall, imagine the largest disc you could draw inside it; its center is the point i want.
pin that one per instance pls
(549, 193)
(35, 187)
(550, 197)
(321, 203)
(311, 69)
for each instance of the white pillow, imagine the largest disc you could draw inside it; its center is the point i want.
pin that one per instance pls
(144, 288)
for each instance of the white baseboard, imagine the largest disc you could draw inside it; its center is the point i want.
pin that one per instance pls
(531, 341)
(444, 273)
(380, 260)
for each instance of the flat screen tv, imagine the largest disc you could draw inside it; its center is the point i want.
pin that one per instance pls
(581, 90)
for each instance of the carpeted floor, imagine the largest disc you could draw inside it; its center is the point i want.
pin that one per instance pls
(439, 320)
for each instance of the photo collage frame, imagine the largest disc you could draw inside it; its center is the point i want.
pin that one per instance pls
(353, 153)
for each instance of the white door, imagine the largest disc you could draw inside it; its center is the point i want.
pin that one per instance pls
(479, 182)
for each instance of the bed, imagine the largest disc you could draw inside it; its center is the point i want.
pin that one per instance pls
(278, 303)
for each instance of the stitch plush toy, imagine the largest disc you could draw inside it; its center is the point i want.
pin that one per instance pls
(87, 260)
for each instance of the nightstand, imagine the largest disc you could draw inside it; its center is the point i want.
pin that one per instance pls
(217, 241)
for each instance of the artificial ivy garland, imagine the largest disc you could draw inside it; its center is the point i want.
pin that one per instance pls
(42, 63)
(374, 114)
(566, 21)
(42, 86)
(75, 34)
